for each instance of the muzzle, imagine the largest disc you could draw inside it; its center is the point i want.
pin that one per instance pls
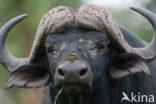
(74, 74)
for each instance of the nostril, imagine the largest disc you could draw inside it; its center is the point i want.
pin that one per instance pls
(83, 72)
(60, 71)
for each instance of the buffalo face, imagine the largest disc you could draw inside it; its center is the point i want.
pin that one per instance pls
(74, 54)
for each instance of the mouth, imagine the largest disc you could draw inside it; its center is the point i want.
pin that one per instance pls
(74, 88)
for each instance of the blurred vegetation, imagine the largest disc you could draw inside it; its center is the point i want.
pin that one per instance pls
(21, 37)
(134, 21)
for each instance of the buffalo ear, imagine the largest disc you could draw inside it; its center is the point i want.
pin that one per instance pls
(128, 63)
(29, 76)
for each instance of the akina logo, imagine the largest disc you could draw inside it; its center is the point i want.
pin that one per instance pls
(137, 98)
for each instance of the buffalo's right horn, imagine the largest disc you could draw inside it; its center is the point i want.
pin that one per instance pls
(6, 58)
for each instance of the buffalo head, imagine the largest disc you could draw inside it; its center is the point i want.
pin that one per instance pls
(74, 49)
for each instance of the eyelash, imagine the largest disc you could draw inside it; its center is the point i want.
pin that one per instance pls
(97, 46)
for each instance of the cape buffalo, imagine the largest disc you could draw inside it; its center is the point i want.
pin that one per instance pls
(87, 55)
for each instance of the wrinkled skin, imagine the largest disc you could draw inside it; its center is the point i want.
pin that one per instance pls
(92, 47)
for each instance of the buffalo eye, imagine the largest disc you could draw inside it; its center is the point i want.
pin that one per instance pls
(50, 49)
(100, 46)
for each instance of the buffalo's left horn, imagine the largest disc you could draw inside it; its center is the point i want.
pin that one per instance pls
(6, 58)
(98, 18)
(150, 49)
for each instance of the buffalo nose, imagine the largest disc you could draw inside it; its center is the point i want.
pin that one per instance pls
(73, 72)
(76, 69)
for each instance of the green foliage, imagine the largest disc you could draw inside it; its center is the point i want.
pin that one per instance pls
(134, 22)
(151, 5)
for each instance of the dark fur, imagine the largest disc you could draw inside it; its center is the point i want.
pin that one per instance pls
(105, 89)
(100, 82)
(92, 47)
(139, 82)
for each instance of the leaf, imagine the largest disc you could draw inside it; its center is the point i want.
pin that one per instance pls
(57, 95)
